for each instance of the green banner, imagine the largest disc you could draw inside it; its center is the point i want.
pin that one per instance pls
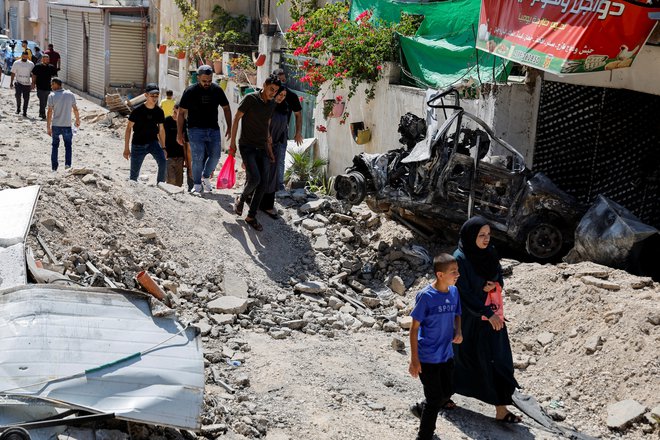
(443, 51)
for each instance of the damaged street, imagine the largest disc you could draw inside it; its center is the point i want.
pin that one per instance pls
(302, 328)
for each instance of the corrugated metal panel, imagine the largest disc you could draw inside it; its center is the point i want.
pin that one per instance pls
(57, 28)
(96, 58)
(53, 340)
(75, 51)
(127, 51)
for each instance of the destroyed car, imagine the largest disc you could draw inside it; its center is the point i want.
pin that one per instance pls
(457, 170)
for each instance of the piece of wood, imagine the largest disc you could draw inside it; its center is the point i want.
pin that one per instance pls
(46, 249)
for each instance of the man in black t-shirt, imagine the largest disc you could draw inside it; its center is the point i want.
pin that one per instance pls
(41, 76)
(146, 125)
(254, 112)
(199, 105)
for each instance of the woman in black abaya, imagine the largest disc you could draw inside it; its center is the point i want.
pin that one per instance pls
(483, 362)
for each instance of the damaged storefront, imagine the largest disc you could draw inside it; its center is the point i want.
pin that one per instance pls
(102, 47)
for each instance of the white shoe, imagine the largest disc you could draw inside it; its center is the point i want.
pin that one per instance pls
(197, 190)
(206, 185)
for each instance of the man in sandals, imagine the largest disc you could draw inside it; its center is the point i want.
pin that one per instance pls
(254, 111)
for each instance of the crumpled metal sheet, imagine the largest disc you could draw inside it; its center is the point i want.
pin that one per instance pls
(52, 336)
(608, 233)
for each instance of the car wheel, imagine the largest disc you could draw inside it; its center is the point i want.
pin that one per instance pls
(544, 241)
(351, 187)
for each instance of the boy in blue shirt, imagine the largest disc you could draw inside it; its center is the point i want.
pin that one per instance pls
(436, 324)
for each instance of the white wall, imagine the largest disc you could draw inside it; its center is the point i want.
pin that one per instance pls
(641, 76)
(510, 111)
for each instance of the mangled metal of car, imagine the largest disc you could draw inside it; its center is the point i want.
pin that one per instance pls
(449, 173)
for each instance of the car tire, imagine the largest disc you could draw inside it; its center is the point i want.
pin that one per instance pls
(544, 241)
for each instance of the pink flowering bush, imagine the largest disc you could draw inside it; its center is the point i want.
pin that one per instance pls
(336, 48)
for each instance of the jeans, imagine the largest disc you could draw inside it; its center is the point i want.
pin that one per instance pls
(67, 135)
(205, 151)
(43, 100)
(22, 91)
(256, 169)
(279, 150)
(139, 152)
(437, 381)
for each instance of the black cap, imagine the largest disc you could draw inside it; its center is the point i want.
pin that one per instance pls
(152, 87)
(205, 69)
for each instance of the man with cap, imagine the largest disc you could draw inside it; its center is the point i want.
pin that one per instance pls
(41, 76)
(146, 125)
(291, 104)
(58, 122)
(199, 105)
(21, 71)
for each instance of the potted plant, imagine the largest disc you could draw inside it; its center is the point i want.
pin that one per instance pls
(243, 70)
(304, 169)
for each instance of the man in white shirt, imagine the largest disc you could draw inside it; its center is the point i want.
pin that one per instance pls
(21, 72)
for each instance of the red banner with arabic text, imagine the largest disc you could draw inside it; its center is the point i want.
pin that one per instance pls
(565, 36)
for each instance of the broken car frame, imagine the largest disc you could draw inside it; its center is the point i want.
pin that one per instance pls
(461, 169)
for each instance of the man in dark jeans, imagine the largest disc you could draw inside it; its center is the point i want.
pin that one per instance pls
(21, 79)
(41, 76)
(146, 125)
(199, 105)
(58, 121)
(255, 144)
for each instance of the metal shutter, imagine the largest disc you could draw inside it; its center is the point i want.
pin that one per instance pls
(75, 50)
(96, 55)
(127, 51)
(57, 29)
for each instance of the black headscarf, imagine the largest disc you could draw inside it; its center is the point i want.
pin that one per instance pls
(486, 262)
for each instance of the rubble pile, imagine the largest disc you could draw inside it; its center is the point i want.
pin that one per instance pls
(584, 337)
(579, 345)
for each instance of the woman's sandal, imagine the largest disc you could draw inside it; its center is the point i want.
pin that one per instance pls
(510, 418)
(254, 223)
(272, 214)
(450, 405)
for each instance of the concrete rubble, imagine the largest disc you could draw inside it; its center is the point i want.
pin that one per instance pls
(354, 277)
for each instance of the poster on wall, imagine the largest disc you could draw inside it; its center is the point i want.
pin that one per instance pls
(566, 36)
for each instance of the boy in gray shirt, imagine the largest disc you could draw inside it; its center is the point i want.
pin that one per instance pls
(58, 121)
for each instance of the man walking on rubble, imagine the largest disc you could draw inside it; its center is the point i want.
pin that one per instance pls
(58, 122)
(146, 125)
(199, 105)
(21, 71)
(41, 77)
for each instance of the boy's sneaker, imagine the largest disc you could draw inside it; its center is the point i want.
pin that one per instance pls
(206, 185)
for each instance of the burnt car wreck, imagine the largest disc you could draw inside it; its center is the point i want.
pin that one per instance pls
(448, 173)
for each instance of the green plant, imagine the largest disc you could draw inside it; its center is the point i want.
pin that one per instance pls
(242, 67)
(229, 28)
(334, 48)
(194, 36)
(300, 8)
(304, 168)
